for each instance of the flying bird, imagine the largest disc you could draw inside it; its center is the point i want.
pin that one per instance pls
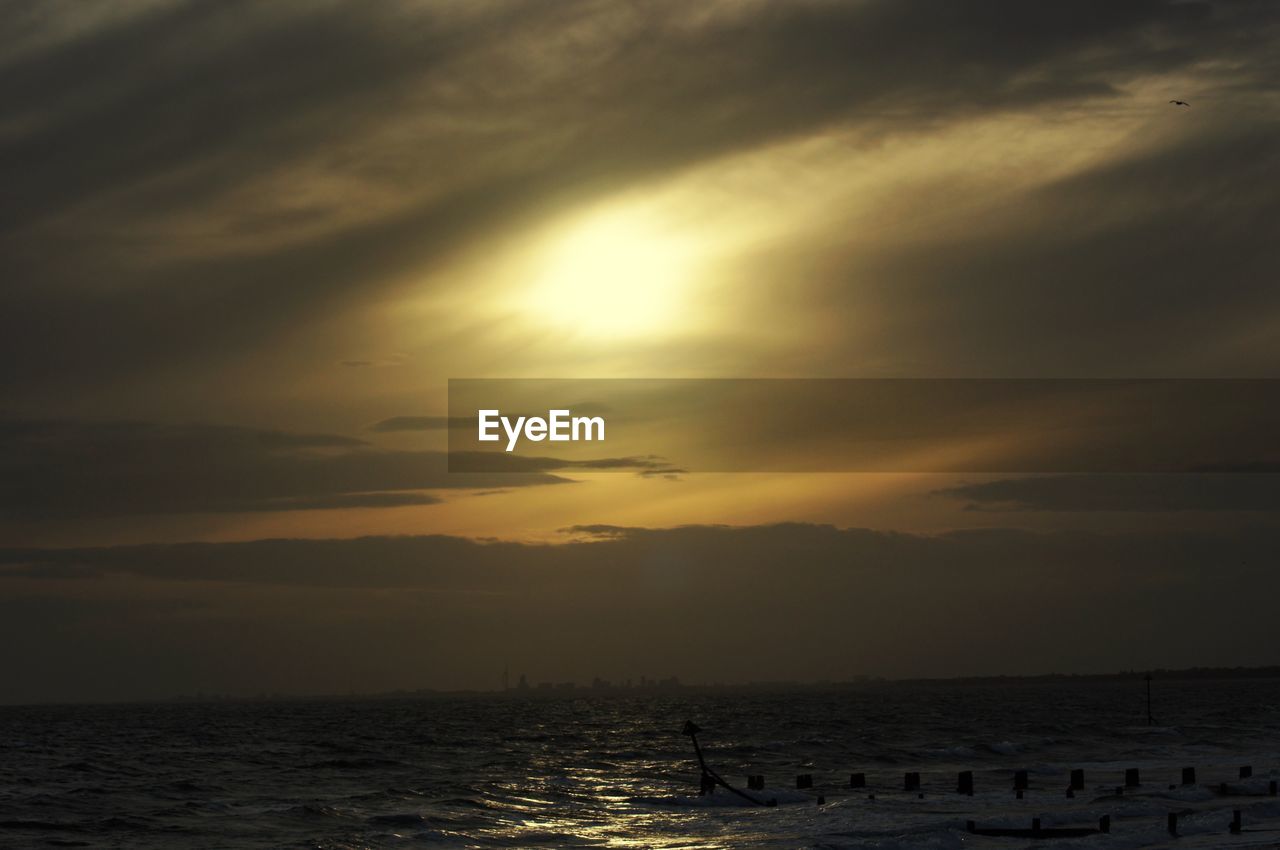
(1179, 103)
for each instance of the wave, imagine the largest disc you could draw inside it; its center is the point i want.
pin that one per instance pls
(405, 819)
(355, 764)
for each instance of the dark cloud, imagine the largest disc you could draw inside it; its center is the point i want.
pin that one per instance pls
(765, 602)
(193, 110)
(51, 470)
(601, 530)
(488, 462)
(421, 423)
(1248, 467)
(1253, 491)
(73, 470)
(342, 500)
(1154, 262)
(227, 91)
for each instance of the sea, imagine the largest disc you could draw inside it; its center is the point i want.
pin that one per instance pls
(615, 770)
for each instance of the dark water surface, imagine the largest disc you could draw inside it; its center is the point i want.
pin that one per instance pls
(614, 771)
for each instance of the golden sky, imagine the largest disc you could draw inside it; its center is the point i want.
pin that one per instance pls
(244, 246)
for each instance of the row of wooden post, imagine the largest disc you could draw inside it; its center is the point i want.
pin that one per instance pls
(1038, 831)
(964, 780)
(1235, 827)
(1104, 826)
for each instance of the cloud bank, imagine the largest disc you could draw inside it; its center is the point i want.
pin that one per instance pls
(705, 603)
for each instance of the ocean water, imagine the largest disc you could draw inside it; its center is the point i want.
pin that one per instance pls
(578, 771)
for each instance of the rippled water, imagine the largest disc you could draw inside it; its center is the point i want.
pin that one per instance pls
(559, 772)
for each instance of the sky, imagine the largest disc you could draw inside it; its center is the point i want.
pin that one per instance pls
(245, 246)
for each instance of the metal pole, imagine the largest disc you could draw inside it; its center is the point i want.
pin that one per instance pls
(691, 729)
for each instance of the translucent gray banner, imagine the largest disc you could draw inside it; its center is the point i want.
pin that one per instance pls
(665, 426)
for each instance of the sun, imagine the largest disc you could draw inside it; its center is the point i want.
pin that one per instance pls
(620, 273)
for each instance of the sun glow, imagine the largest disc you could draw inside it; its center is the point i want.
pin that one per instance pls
(613, 274)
